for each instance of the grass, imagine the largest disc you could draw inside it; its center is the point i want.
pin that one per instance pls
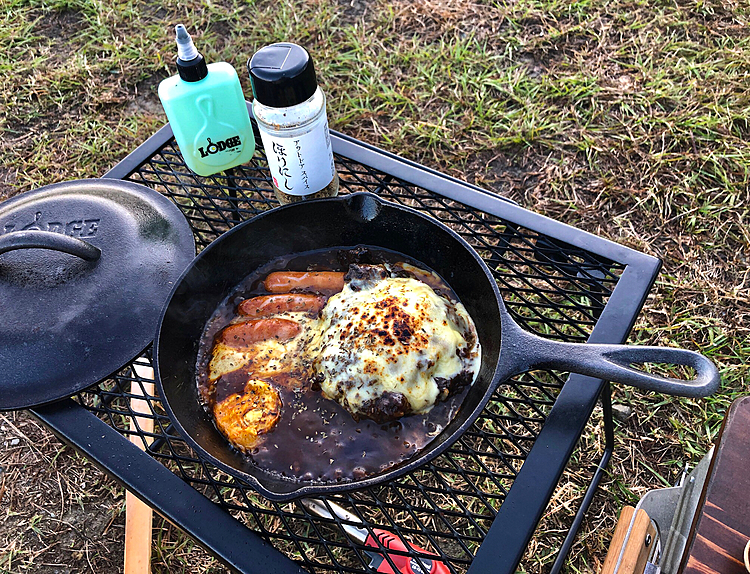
(622, 117)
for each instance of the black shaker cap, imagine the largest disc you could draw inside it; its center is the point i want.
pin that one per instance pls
(282, 75)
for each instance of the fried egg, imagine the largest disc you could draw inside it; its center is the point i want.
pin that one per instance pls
(244, 417)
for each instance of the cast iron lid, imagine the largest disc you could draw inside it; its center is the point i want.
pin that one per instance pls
(85, 268)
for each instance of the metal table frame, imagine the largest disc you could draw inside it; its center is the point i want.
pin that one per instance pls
(503, 547)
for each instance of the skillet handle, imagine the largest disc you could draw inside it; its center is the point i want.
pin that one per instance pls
(612, 363)
(49, 240)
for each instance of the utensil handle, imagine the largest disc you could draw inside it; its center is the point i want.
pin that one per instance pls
(49, 240)
(613, 363)
(138, 515)
(404, 563)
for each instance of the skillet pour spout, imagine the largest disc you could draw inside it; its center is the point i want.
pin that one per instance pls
(365, 219)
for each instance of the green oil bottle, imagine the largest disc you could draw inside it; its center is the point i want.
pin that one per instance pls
(206, 108)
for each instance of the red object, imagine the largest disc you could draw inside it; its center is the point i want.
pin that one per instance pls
(405, 564)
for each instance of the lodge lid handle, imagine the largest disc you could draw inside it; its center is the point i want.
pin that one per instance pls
(49, 240)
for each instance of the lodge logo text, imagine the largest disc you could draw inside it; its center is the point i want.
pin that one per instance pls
(215, 147)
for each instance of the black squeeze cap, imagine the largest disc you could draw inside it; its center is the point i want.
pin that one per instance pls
(192, 70)
(282, 75)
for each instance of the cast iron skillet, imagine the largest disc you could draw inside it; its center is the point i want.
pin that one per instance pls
(366, 219)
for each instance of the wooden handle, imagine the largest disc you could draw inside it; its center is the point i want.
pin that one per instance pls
(138, 516)
(637, 548)
(631, 549)
(618, 539)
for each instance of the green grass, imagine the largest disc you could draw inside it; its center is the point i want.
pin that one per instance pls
(623, 117)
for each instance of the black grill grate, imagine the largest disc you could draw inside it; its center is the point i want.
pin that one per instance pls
(447, 506)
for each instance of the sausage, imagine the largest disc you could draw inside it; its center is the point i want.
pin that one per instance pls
(245, 334)
(326, 282)
(267, 305)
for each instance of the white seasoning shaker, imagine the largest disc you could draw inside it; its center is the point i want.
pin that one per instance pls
(290, 110)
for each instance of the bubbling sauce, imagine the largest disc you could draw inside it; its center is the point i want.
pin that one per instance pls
(315, 438)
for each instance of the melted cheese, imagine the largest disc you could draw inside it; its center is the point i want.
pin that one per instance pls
(265, 358)
(393, 336)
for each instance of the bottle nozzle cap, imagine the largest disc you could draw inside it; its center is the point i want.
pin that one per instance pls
(190, 64)
(185, 48)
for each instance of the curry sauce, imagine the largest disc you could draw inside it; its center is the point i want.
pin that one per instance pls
(314, 438)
